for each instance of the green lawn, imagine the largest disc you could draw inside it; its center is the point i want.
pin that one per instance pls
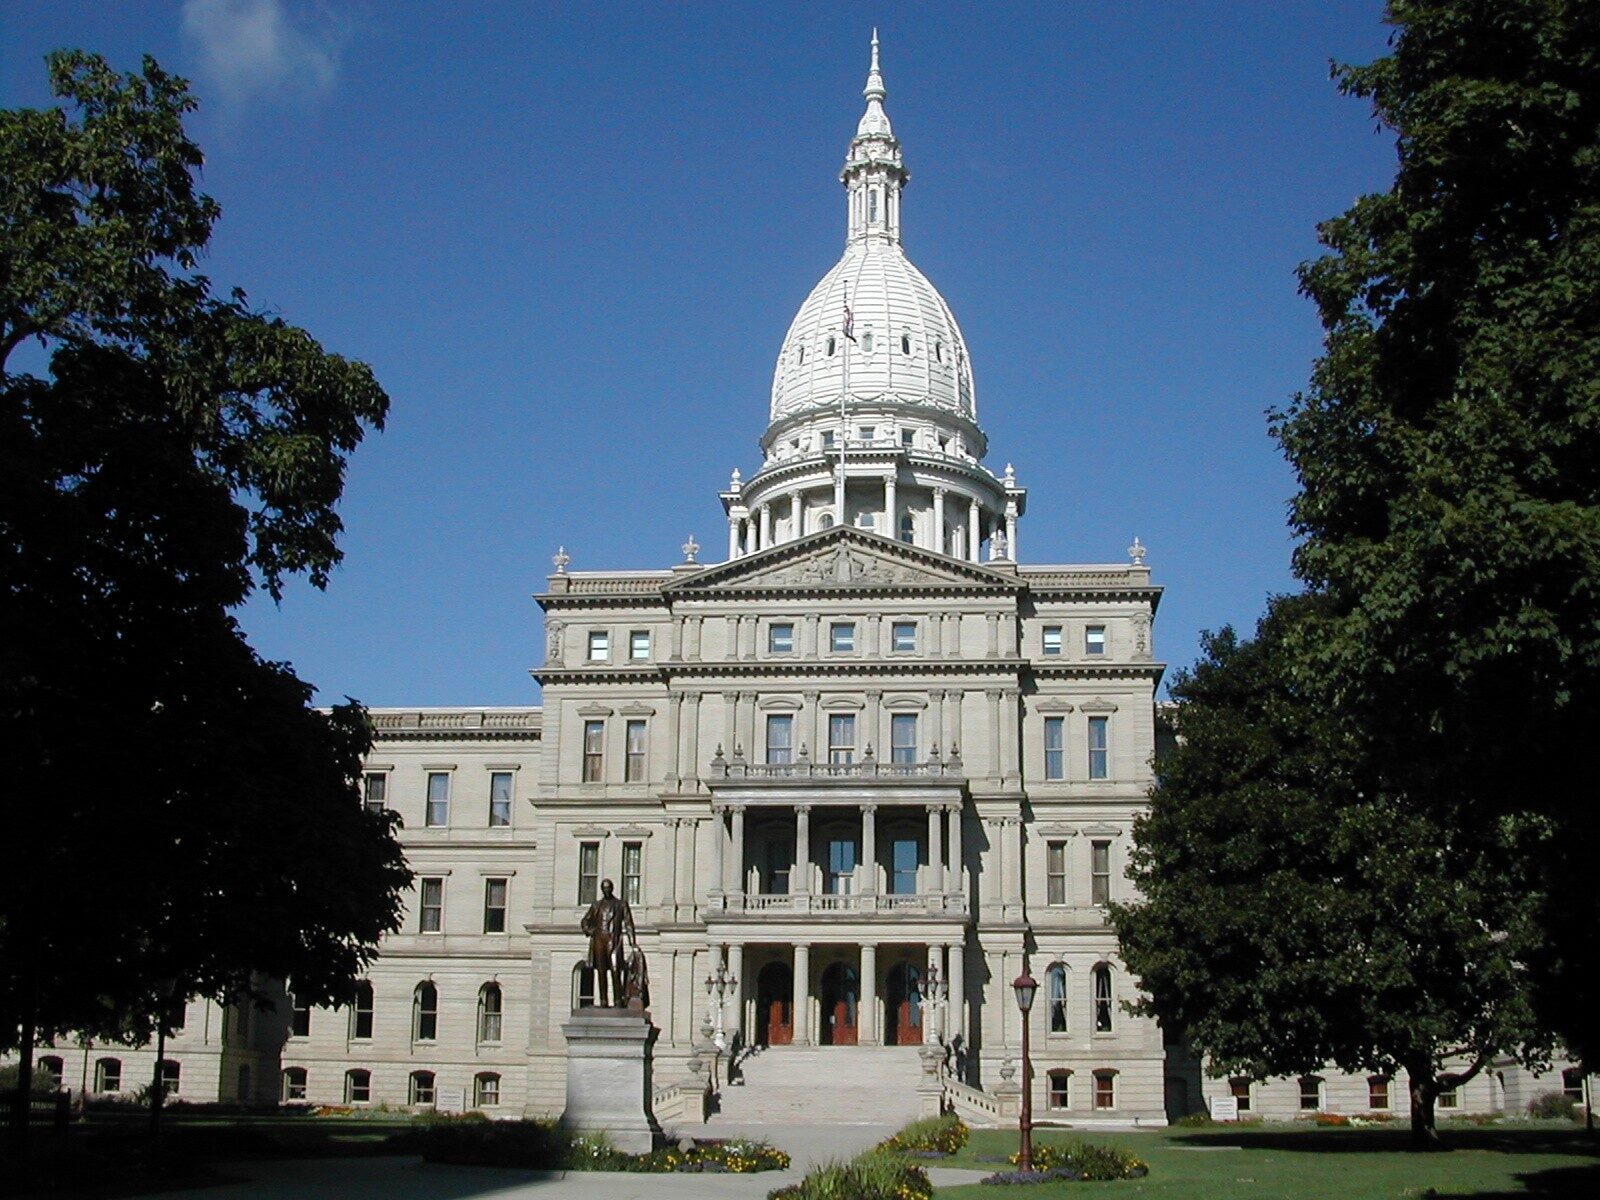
(1264, 1162)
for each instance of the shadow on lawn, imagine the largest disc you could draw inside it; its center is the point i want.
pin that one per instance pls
(1370, 1141)
(1580, 1182)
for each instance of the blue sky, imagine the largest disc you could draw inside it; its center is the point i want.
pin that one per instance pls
(569, 239)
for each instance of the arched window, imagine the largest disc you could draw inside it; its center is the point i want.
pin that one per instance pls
(108, 1075)
(425, 1012)
(421, 1090)
(52, 1066)
(357, 1086)
(582, 986)
(905, 343)
(872, 206)
(825, 521)
(908, 528)
(1056, 977)
(361, 1011)
(1102, 999)
(293, 1089)
(490, 1003)
(485, 1090)
(830, 347)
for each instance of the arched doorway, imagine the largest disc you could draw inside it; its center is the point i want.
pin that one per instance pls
(904, 994)
(775, 1003)
(841, 996)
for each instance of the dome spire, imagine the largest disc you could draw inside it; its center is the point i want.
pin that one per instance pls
(874, 171)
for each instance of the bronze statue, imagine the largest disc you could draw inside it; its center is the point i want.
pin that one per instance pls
(614, 953)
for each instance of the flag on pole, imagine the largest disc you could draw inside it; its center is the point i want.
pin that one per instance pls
(849, 323)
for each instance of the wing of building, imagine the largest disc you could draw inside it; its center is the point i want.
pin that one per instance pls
(870, 767)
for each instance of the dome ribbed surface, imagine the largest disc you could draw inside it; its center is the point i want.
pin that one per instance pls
(896, 309)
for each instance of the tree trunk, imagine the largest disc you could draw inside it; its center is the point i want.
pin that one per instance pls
(1424, 1091)
(22, 1098)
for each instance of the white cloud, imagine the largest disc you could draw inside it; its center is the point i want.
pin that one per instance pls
(256, 49)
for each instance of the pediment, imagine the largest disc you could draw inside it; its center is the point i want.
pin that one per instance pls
(842, 558)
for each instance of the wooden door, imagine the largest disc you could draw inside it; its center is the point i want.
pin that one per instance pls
(905, 1005)
(841, 1004)
(775, 1000)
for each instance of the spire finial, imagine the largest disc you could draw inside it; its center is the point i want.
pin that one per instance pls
(874, 89)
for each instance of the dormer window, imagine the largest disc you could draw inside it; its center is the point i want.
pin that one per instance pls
(938, 350)
(866, 342)
(905, 343)
(908, 438)
(828, 439)
(830, 347)
(872, 206)
(800, 360)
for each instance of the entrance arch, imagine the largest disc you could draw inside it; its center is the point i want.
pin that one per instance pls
(904, 994)
(841, 1004)
(775, 1003)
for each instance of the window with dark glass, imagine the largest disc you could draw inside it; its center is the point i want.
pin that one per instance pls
(1056, 978)
(1099, 763)
(52, 1066)
(361, 1011)
(494, 905)
(357, 1087)
(431, 917)
(588, 872)
(1102, 999)
(1055, 759)
(171, 1077)
(499, 799)
(842, 858)
(905, 855)
(1055, 872)
(421, 1092)
(842, 637)
(491, 1008)
(294, 1084)
(374, 790)
(438, 798)
(1060, 1093)
(1100, 872)
(108, 1075)
(633, 764)
(299, 1018)
(633, 872)
(903, 738)
(780, 861)
(905, 635)
(1105, 1089)
(780, 738)
(485, 1090)
(780, 638)
(1377, 1091)
(1310, 1093)
(594, 751)
(1239, 1088)
(425, 1012)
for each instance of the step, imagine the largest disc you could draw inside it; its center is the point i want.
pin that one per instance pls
(823, 1085)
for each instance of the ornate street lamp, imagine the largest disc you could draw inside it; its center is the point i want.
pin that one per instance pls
(719, 987)
(1025, 986)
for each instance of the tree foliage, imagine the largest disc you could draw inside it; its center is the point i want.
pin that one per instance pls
(179, 811)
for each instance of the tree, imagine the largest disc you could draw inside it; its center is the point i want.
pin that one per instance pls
(1448, 452)
(181, 814)
(1288, 919)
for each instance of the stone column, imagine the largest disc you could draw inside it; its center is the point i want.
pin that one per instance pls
(735, 1008)
(868, 1028)
(800, 881)
(692, 759)
(995, 748)
(974, 540)
(991, 622)
(813, 702)
(952, 639)
(808, 632)
(730, 710)
(812, 710)
(1013, 875)
(1010, 699)
(683, 846)
(938, 520)
(747, 726)
(956, 977)
(1011, 531)
(739, 873)
(936, 697)
(669, 870)
(935, 849)
(718, 872)
(733, 537)
(675, 699)
(993, 875)
(955, 697)
(801, 1009)
(797, 515)
(874, 730)
(766, 525)
(955, 883)
(675, 653)
(891, 508)
(869, 847)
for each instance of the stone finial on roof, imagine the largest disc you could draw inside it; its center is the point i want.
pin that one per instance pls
(561, 558)
(1137, 551)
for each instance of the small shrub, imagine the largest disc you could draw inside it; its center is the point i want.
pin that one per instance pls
(872, 1176)
(545, 1145)
(1097, 1164)
(941, 1135)
(1194, 1120)
(1553, 1106)
(1330, 1120)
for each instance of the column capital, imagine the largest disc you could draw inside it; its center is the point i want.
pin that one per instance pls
(730, 697)
(874, 695)
(736, 809)
(993, 693)
(811, 697)
(954, 808)
(1011, 693)
(869, 808)
(935, 808)
(941, 492)
(803, 808)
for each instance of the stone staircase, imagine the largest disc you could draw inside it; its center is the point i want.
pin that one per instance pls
(822, 1085)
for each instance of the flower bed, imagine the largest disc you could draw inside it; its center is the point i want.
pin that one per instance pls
(545, 1145)
(873, 1176)
(1076, 1160)
(931, 1135)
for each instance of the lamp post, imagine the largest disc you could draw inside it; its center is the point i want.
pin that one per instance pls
(933, 997)
(1025, 986)
(719, 987)
(158, 1084)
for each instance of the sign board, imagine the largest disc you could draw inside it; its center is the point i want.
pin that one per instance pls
(450, 1100)
(1224, 1108)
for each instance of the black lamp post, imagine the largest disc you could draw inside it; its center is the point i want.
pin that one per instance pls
(165, 988)
(1025, 986)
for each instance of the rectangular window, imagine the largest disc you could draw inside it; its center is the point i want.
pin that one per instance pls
(1055, 758)
(1055, 872)
(422, 1087)
(842, 857)
(633, 872)
(865, 432)
(780, 638)
(1102, 999)
(599, 645)
(1572, 1084)
(1239, 1089)
(1099, 763)
(908, 438)
(780, 738)
(842, 637)
(594, 751)
(494, 905)
(499, 799)
(588, 872)
(639, 644)
(1100, 872)
(1450, 1099)
(108, 1075)
(357, 1087)
(1052, 639)
(780, 860)
(1310, 1093)
(842, 738)
(171, 1077)
(294, 1084)
(299, 1018)
(1060, 1089)
(1105, 1089)
(486, 1091)
(905, 635)
(438, 813)
(361, 1011)
(903, 738)
(1094, 639)
(432, 906)
(1377, 1092)
(374, 790)
(633, 765)
(829, 439)
(905, 855)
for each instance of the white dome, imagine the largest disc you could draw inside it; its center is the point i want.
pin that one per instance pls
(908, 348)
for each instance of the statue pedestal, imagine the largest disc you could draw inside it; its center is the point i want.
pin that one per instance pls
(608, 1077)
